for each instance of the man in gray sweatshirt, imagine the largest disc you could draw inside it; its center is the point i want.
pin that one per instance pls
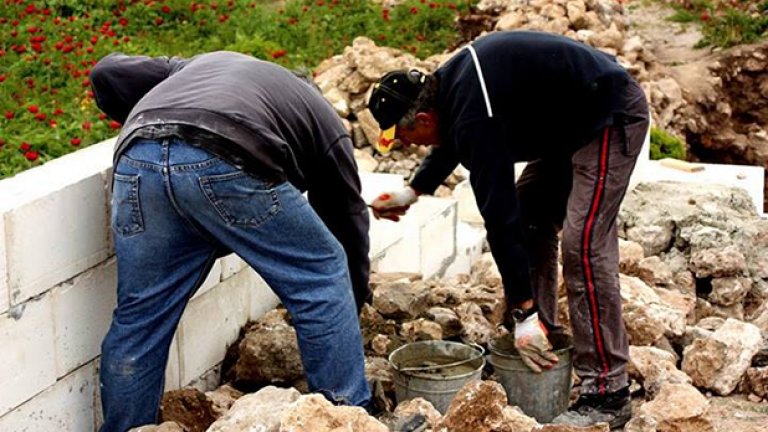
(213, 158)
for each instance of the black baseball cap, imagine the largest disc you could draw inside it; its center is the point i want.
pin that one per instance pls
(392, 97)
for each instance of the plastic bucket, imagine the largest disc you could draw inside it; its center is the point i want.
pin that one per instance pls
(435, 370)
(543, 396)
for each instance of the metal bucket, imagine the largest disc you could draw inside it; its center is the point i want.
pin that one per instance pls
(435, 370)
(543, 396)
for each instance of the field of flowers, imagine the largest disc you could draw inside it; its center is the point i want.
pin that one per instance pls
(47, 49)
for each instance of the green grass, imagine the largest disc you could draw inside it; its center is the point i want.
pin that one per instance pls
(48, 47)
(666, 145)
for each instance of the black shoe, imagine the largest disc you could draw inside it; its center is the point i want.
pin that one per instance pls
(613, 408)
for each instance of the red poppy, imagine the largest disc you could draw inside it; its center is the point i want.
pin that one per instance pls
(414, 10)
(31, 155)
(115, 124)
(87, 125)
(40, 116)
(123, 21)
(33, 109)
(24, 146)
(159, 21)
(9, 115)
(102, 116)
(53, 123)
(278, 53)
(166, 9)
(2, 78)
(75, 141)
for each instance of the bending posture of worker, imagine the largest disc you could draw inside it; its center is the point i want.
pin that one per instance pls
(579, 120)
(213, 158)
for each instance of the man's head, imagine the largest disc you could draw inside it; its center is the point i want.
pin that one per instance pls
(402, 102)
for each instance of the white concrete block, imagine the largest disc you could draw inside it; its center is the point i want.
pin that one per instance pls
(82, 313)
(27, 363)
(5, 295)
(210, 323)
(263, 299)
(469, 248)
(231, 265)
(374, 184)
(438, 238)
(173, 368)
(57, 236)
(643, 164)
(213, 279)
(66, 406)
(425, 239)
(467, 205)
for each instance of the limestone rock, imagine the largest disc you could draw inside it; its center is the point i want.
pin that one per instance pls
(600, 427)
(223, 398)
(164, 427)
(378, 369)
(422, 329)
(485, 271)
(630, 255)
(717, 262)
(757, 381)
(401, 299)
(511, 21)
(760, 317)
(652, 367)
(654, 239)
(728, 291)
(646, 316)
(447, 319)
(718, 362)
(419, 406)
(380, 344)
(365, 161)
(490, 299)
(189, 408)
(643, 423)
(260, 411)
(678, 408)
(516, 419)
(653, 271)
(369, 125)
(476, 328)
(313, 413)
(477, 407)
(269, 354)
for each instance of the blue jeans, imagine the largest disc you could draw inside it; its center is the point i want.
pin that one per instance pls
(175, 209)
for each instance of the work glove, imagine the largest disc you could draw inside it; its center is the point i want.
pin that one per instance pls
(533, 345)
(392, 205)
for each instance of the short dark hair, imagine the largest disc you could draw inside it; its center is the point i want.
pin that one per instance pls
(425, 101)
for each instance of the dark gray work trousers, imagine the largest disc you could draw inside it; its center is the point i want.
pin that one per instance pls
(581, 196)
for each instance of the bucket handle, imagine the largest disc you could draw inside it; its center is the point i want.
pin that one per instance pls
(447, 365)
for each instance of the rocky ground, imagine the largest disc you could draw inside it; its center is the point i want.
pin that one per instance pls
(694, 261)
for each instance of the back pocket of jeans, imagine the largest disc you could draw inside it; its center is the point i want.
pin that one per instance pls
(127, 219)
(240, 199)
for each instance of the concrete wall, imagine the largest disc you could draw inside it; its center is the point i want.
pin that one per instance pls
(58, 278)
(57, 293)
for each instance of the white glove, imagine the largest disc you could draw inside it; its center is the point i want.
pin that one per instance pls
(392, 205)
(533, 345)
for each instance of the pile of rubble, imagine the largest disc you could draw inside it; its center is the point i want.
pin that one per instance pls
(346, 80)
(694, 284)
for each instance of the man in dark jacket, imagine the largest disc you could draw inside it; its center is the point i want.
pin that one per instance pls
(213, 158)
(580, 121)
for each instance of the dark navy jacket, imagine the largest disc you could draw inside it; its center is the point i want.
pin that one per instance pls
(545, 96)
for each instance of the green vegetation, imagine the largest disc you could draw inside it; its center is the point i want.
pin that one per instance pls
(666, 145)
(47, 49)
(725, 23)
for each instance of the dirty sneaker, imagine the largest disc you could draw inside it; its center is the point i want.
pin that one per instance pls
(612, 408)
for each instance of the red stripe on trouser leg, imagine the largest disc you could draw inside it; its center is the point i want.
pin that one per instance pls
(587, 264)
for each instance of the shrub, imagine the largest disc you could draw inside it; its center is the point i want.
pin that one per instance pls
(48, 47)
(666, 145)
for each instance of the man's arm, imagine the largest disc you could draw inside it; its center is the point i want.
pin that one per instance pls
(492, 176)
(119, 81)
(438, 165)
(335, 196)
